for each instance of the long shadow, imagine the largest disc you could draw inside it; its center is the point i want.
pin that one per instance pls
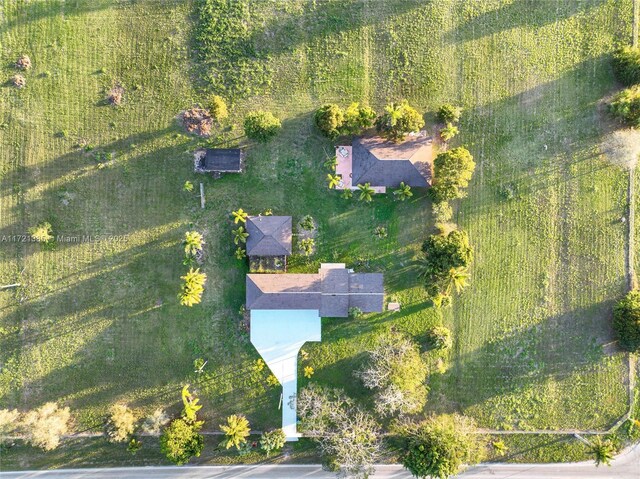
(552, 350)
(519, 13)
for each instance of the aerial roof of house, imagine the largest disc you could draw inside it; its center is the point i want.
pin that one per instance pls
(269, 235)
(380, 162)
(332, 291)
(223, 160)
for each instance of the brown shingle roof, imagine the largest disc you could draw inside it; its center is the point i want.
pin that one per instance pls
(332, 291)
(385, 163)
(269, 235)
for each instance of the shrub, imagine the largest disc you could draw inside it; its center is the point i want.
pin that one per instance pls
(236, 431)
(448, 113)
(41, 233)
(398, 120)
(439, 338)
(307, 223)
(626, 106)
(271, 441)
(24, 62)
(380, 232)
(181, 441)
(306, 246)
(121, 423)
(329, 120)
(8, 423)
(154, 423)
(261, 126)
(626, 65)
(439, 446)
(396, 372)
(115, 95)
(626, 321)
(452, 172)
(218, 108)
(355, 312)
(441, 212)
(192, 242)
(46, 425)
(19, 81)
(134, 446)
(197, 121)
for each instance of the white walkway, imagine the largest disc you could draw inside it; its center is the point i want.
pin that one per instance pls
(278, 336)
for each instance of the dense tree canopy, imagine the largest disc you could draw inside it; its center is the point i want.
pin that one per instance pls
(626, 65)
(333, 121)
(626, 321)
(446, 257)
(626, 106)
(448, 113)
(261, 126)
(439, 446)
(329, 120)
(181, 441)
(452, 172)
(398, 120)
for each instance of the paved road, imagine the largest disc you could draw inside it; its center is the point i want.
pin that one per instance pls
(625, 466)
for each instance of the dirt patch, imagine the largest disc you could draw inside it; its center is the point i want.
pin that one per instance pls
(115, 95)
(197, 121)
(23, 63)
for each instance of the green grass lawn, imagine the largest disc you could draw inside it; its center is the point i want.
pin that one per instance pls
(97, 322)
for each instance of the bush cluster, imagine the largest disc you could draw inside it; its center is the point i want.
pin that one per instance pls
(626, 321)
(333, 121)
(626, 65)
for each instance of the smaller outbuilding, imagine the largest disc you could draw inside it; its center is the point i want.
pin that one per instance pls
(218, 161)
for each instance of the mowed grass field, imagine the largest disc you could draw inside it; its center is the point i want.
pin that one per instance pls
(97, 322)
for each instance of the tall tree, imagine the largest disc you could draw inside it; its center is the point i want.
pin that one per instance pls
(452, 172)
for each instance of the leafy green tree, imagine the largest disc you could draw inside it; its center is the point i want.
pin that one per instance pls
(626, 321)
(41, 233)
(452, 172)
(239, 216)
(272, 441)
(181, 441)
(442, 253)
(403, 192)
(193, 242)
(357, 118)
(218, 108)
(121, 423)
(603, 451)
(239, 235)
(366, 192)
(626, 65)
(191, 406)
(398, 120)
(448, 113)
(448, 132)
(396, 372)
(333, 180)
(236, 431)
(261, 126)
(192, 288)
(626, 106)
(329, 120)
(439, 446)
(45, 426)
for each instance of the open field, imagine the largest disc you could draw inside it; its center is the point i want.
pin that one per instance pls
(97, 322)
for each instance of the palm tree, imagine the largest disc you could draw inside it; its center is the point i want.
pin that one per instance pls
(366, 192)
(449, 132)
(347, 194)
(237, 429)
(192, 288)
(403, 192)
(193, 242)
(240, 235)
(602, 451)
(395, 113)
(457, 278)
(239, 216)
(240, 253)
(334, 180)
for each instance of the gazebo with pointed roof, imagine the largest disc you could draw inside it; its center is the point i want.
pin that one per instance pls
(269, 236)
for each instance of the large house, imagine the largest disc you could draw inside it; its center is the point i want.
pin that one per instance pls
(385, 164)
(286, 312)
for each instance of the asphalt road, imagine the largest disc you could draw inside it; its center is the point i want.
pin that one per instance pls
(625, 466)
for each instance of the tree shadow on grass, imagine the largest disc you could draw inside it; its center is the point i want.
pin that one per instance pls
(517, 14)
